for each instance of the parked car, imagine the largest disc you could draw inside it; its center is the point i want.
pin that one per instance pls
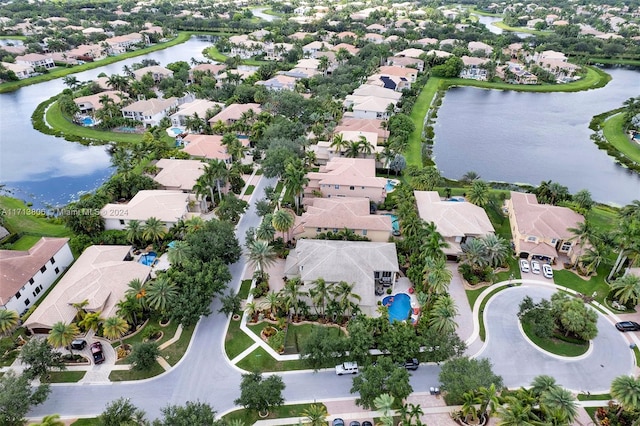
(354, 423)
(78, 344)
(628, 326)
(96, 351)
(535, 267)
(524, 265)
(411, 364)
(367, 423)
(347, 368)
(547, 271)
(338, 422)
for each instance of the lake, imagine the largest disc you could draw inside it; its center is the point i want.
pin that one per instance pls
(46, 170)
(530, 137)
(488, 21)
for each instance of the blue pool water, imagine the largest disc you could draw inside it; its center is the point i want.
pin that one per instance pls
(172, 244)
(176, 131)
(88, 121)
(390, 186)
(394, 221)
(148, 259)
(399, 306)
(456, 199)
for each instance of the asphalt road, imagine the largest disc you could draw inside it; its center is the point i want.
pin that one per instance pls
(518, 362)
(204, 373)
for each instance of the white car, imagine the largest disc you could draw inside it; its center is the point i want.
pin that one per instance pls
(547, 271)
(535, 266)
(347, 368)
(524, 265)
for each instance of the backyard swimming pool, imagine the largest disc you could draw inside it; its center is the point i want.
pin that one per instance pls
(391, 185)
(394, 221)
(88, 122)
(147, 259)
(399, 306)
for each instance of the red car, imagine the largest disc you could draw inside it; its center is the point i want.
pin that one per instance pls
(96, 351)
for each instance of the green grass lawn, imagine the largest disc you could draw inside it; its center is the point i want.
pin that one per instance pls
(249, 417)
(167, 333)
(213, 53)
(245, 287)
(419, 111)
(615, 61)
(236, 340)
(259, 360)
(174, 353)
(506, 27)
(20, 218)
(25, 242)
(603, 217)
(15, 37)
(614, 133)
(297, 334)
(596, 283)
(125, 375)
(250, 190)
(66, 376)
(555, 345)
(86, 422)
(483, 13)
(596, 397)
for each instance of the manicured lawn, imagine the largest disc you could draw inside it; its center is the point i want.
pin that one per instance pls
(213, 53)
(174, 353)
(25, 242)
(125, 375)
(56, 119)
(245, 287)
(419, 111)
(260, 360)
(297, 334)
(615, 61)
(594, 284)
(483, 13)
(17, 37)
(614, 133)
(66, 376)
(167, 333)
(20, 218)
(597, 397)
(555, 345)
(249, 190)
(86, 422)
(249, 417)
(514, 270)
(472, 295)
(236, 340)
(603, 218)
(506, 27)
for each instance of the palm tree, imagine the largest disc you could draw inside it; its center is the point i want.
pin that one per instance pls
(214, 175)
(560, 399)
(272, 302)
(61, 334)
(515, 413)
(469, 410)
(319, 294)
(316, 414)
(479, 193)
(488, 399)
(261, 255)
(266, 231)
(436, 275)
(427, 179)
(91, 321)
(129, 308)
(295, 179)
(161, 293)
(343, 292)
(8, 320)
(291, 294)
(474, 253)
(542, 383)
(114, 328)
(251, 309)
(79, 307)
(178, 253)
(627, 289)
(442, 314)
(470, 176)
(282, 221)
(583, 232)
(338, 143)
(134, 231)
(138, 291)
(496, 249)
(153, 230)
(366, 148)
(194, 224)
(626, 390)
(384, 403)
(50, 420)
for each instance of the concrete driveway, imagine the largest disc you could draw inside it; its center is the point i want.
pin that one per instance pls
(518, 361)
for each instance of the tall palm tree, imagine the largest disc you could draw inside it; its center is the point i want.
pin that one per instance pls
(251, 309)
(295, 178)
(366, 148)
(474, 253)
(138, 291)
(560, 399)
(61, 334)
(626, 390)
(214, 175)
(79, 307)
(50, 420)
(129, 309)
(8, 321)
(436, 275)
(261, 255)
(282, 221)
(153, 230)
(194, 224)
(542, 383)
(346, 298)
(319, 294)
(266, 231)
(488, 399)
(469, 410)
(339, 143)
(291, 295)
(427, 179)
(160, 293)
(316, 414)
(582, 232)
(272, 302)
(178, 253)
(627, 289)
(384, 403)
(443, 313)
(515, 413)
(134, 231)
(114, 328)
(479, 193)
(496, 249)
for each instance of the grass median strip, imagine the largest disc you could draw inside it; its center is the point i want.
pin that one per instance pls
(236, 340)
(259, 360)
(66, 376)
(249, 417)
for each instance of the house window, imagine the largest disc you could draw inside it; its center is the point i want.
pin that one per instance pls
(554, 240)
(335, 229)
(565, 246)
(18, 295)
(351, 188)
(43, 269)
(26, 302)
(30, 282)
(121, 221)
(57, 270)
(318, 229)
(52, 260)
(532, 239)
(38, 290)
(337, 186)
(34, 294)
(364, 232)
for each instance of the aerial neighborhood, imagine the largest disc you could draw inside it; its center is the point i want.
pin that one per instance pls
(273, 202)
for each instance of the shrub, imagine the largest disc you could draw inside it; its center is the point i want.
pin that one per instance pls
(150, 332)
(143, 355)
(261, 289)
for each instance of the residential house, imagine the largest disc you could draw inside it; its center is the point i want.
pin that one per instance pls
(516, 73)
(234, 112)
(346, 177)
(311, 49)
(336, 214)
(346, 34)
(212, 69)
(35, 61)
(478, 46)
(279, 82)
(87, 52)
(541, 229)
(190, 109)
(474, 68)
(325, 152)
(346, 46)
(372, 107)
(456, 221)
(411, 74)
(411, 53)
(100, 277)
(209, 147)
(389, 82)
(150, 111)
(449, 42)
(374, 38)
(276, 51)
(26, 275)
(364, 125)
(438, 53)
(244, 47)
(369, 266)
(406, 62)
(178, 175)
(120, 44)
(376, 28)
(426, 42)
(21, 71)
(157, 73)
(365, 90)
(166, 206)
(90, 104)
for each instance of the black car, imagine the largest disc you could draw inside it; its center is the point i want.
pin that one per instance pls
(628, 326)
(96, 351)
(337, 422)
(367, 423)
(78, 344)
(411, 364)
(354, 423)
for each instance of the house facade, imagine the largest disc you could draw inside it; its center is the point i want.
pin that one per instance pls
(26, 275)
(36, 60)
(150, 111)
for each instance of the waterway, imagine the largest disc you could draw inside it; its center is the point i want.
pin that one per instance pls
(258, 12)
(49, 171)
(530, 137)
(488, 22)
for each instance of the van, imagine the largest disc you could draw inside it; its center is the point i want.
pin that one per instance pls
(78, 344)
(347, 368)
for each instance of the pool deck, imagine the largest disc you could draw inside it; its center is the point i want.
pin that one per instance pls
(402, 285)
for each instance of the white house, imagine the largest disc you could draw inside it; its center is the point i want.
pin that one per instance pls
(35, 60)
(26, 275)
(150, 111)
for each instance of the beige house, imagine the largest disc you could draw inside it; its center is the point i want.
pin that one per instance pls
(234, 112)
(178, 175)
(166, 206)
(364, 125)
(91, 103)
(346, 177)
(456, 221)
(335, 214)
(541, 229)
(100, 276)
(367, 265)
(156, 71)
(209, 147)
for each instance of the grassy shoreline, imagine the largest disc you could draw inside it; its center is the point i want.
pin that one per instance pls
(505, 27)
(613, 131)
(418, 114)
